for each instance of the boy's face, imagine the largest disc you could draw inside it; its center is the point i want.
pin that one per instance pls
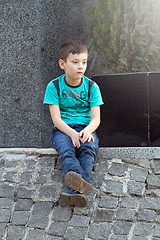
(74, 67)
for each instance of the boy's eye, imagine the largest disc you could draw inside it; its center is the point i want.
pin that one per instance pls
(75, 62)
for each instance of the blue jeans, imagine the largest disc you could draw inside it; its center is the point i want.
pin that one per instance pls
(79, 160)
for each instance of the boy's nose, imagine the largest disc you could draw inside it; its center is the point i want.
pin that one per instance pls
(80, 65)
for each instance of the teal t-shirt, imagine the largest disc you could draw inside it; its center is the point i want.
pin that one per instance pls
(74, 101)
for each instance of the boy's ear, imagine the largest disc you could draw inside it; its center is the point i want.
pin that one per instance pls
(61, 63)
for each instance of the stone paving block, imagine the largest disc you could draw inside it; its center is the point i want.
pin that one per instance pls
(107, 201)
(42, 176)
(136, 188)
(36, 234)
(61, 214)
(13, 156)
(118, 169)
(125, 214)
(73, 233)
(48, 237)
(2, 163)
(156, 232)
(101, 166)
(30, 164)
(99, 231)
(26, 177)
(150, 203)
(2, 229)
(121, 228)
(57, 175)
(139, 174)
(23, 204)
(143, 229)
(6, 203)
(9, 176)
(139, 238)
(46, 192)
(20, 217)
(155, 164)
(79, 221)
(7, 190)
(46, 162)
(38, 221)
(97, 179)
(129, 202)
(118, 237)
(4, 215)
(11, 164)
(113, 187)
(145, 163)
(147, 215)
(104, 215)
(153, 181)
(25, 192)
(15, 232)
(42, 208)
(58, 228)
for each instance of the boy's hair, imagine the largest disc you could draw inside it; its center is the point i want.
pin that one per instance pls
(71, 46)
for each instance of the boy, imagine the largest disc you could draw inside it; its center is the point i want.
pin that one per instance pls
(74, 103)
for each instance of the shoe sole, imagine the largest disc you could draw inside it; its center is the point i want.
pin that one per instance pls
(77, 200)
(74, 181)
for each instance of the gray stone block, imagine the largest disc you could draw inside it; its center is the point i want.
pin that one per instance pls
(25, 192)
(4, 215)
(156, 232)
(129, 202)
(147, 215)
(125, 214)
(143, 229)
(122, 228)
(107, 201)
(58, 228)
(16, 232)
(73, 233)
(104, 215)
(153, 181)
(99, 231)
(136, 188)
(20, 217)
(139, 174)
(6, 203)
(155, 164)
(38, 221)
(47, 192)
(118, 169)
(36, 234)
(118, 237)
(2, 228)
(42, 208)
(23, 204)
(113, 187)
(150, 203)
(7, 190)
(79, 221)
(61, 214)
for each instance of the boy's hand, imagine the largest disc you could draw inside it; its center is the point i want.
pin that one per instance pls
(75, 139)
(85, 136)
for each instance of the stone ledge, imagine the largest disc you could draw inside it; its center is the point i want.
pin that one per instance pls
(106, 152)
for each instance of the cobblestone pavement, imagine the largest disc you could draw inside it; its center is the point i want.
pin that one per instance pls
(125, 204)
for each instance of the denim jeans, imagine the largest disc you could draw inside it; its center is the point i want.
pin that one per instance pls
(79, 160)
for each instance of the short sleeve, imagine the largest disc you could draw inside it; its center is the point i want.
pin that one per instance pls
(95, 96)
(51, 96)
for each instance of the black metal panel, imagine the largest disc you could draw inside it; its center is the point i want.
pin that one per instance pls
(154, 108)
(124, 118)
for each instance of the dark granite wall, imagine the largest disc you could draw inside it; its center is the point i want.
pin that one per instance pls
(31, 32)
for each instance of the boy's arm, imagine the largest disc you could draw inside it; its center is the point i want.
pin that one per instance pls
(86, 133)
(62, 126)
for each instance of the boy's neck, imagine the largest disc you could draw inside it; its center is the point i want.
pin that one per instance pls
(73, 83)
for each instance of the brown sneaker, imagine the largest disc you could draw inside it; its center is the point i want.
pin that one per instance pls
(74, 181)
(77, 200)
